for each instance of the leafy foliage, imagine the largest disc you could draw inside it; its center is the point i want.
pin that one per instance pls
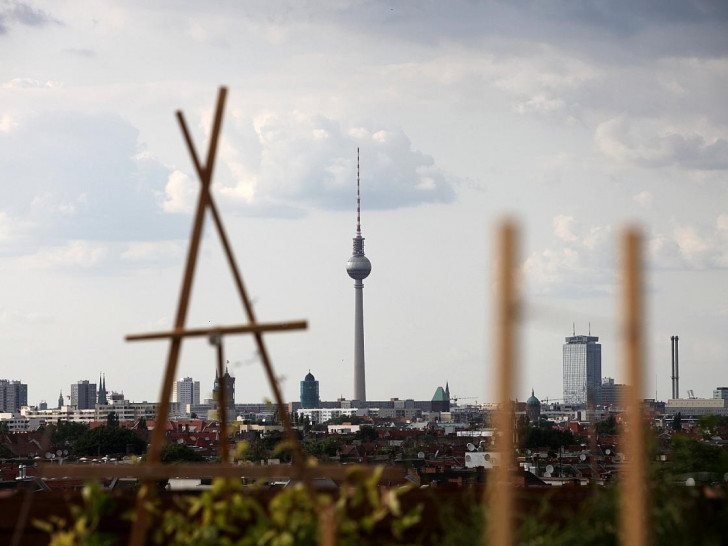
(689, 455)
(607, 426)
(318, 448)
(535, 437)
(106, 440)
(112, 419)
(224, 515)
(66, 431)
(85, 527)
(178, 453)
(366, 433)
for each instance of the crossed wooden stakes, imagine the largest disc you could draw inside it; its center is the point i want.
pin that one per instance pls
(152, 469)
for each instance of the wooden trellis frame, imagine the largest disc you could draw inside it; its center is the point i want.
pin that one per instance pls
(500, 494)
(152, 470)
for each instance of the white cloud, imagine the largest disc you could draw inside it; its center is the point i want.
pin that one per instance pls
(654, 144)
(7, 123)
(563, 228)
(12, 316)
(580, 262)
(74, 254)
(299, 160)
(180, 193)
(5, 227)
(152, 251)
(643, 199)
(93, 180)
(30, 83)
(12, 228)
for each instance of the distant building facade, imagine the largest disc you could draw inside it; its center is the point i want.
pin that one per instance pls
(720, 392)
(228, 383)
(186, 391)
(102, 399)
(83, 395)
(695, 407)
(612, 394)
(441, 399)
(13, 395)
(310, 392)
(582, 369)
(533, 408)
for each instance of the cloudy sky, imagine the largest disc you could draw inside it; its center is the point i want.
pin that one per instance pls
(574, 118)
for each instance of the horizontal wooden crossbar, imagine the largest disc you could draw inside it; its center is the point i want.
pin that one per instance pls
(158, 471)
(221, 330)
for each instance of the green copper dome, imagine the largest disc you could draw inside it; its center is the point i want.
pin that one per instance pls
(533, 401)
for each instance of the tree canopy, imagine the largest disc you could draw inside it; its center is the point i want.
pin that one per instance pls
(109, 440)
(178, 453)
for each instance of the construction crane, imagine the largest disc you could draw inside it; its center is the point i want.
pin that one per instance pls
(454, 399)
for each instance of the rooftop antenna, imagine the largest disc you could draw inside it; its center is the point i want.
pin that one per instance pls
(573, 328)
(589, 327)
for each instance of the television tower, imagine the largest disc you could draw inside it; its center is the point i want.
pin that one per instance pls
(358, 267)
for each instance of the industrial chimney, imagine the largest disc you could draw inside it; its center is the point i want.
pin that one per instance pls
(675, 368)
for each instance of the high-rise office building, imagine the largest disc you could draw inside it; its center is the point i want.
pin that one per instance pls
(358, 267)
(582, 369)
(13, 395)
(186, 391)
(310, 392)
(83, 394)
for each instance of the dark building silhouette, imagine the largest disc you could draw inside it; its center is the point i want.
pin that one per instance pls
(102, 400)
(229, 384)
(310, 392)
(13, 395)
(533, 408)
(83, 394)
(441, 399)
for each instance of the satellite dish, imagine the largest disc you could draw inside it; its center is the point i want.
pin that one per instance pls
(468, 458)
(470, 447)
(59, 452)
(48, 455)
(582, 457)
(547, 474)
(549, 469)
(690, 482)
(421, 455)
(608, 452)
(487, 457)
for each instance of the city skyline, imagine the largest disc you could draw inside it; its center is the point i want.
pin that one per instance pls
(574, 119)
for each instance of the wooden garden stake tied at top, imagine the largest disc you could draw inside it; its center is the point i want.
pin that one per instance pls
(179, 332)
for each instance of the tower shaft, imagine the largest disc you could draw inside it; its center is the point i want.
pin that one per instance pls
(360, 391)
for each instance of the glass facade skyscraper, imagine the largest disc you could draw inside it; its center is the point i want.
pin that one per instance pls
(582, 369)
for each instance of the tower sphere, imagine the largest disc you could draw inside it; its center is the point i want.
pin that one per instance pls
(358, 267)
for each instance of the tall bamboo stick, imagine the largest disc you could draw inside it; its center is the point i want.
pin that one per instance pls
(633, 495)
(500, 505)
